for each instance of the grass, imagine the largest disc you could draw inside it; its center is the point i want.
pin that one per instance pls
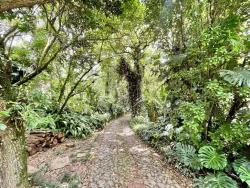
(72, 180)
(38, 180)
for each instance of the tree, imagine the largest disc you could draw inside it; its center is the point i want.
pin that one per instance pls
(13, 170)
(129, 42)
(199, 48)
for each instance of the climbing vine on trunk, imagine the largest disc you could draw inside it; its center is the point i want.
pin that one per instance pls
(134, 79)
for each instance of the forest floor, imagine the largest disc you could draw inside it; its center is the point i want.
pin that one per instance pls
(114, 157)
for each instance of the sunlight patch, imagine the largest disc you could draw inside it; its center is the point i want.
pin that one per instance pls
(126, 132)
(139, 149)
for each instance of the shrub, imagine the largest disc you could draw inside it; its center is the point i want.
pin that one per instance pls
(38, 180)
(80, 126)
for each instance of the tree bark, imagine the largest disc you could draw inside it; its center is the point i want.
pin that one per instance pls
(134, 78)
(237, 104)
(6, 5)
(13, 157)
(134, 89)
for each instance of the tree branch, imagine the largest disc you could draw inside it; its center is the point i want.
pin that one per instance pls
(38, 70)
(6, 5)
(7, 35)
(84, 88)
(73, 89)
(65, 83)
(46, 49)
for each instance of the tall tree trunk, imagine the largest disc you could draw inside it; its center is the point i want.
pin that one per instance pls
(134, 89)
(13, 157)
(134, 78)
(107, 84)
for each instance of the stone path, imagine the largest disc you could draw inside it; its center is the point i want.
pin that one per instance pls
(122, 160)
(116, 158)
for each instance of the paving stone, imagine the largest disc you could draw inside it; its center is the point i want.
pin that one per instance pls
(70, 145)
(32, 169)
(80, 155)
(59, 162)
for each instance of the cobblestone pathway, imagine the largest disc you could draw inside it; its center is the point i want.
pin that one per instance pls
(122, 160)
(112, 158)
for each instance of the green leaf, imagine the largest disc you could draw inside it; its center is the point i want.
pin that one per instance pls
(188, 156)
(245, 174)
(219, 180)
(2, 127)
(237, 163)
(4, 114)
(242, 167)
(209, 158)
(239, 77)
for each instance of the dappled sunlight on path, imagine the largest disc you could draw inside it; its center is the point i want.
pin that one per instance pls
(122, 160)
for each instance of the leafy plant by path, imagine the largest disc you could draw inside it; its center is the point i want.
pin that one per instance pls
(218, 180)
(211, 159)
(188, 156)
(38, 180)
(242, 168)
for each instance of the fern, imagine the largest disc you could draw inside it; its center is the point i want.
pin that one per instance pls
(209, 158)
(188, 156)
(238, 77)
(219, 180)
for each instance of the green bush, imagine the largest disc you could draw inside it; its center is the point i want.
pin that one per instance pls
(37, 179)
(37, 118)
(79, 126)
(187, 157)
